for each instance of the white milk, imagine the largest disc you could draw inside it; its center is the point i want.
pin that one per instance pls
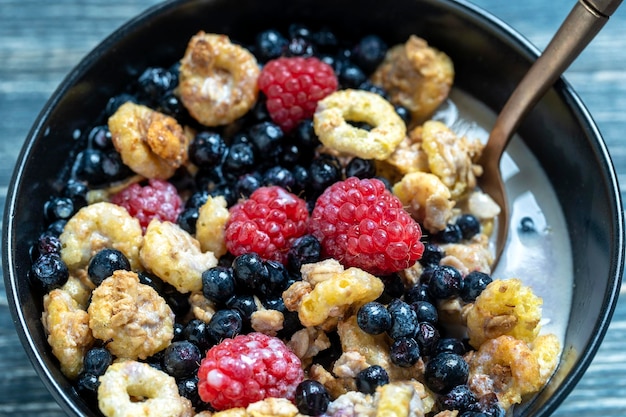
(541, 259)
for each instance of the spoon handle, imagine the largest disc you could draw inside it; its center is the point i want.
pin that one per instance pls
(579, 28)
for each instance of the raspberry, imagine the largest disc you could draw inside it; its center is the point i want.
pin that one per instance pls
(267, 223)
(361, 224)
(293, 87)
(157, 200)
(246, 369)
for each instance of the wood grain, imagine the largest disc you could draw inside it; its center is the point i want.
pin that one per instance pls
(41, 40)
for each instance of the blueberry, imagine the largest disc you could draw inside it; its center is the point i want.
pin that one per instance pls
(154, 82)
(373, 88)
(404, 352)
(270, 44)
(196, 332)
(451, 234)
(445, 371)
(249, 271)
(181, 359)
(325, 40)
(207, 149)
(197, 199)
(56, 227)
(445, 282)
(97, 360)
(279, 176)
(351, 76)
(425, 312)
(404, 114)
(58, 208)
(459, 398)
(298, 30)
(239, 159)
(104, 263)
(171, 105)
(247, 184)
(187, 220)
(469, 225)
(276, 281)
(418, 292)
(432, 254)
(427, 337)
(300, 178)
(473, 284)
(48, 244)
(369, 52)
(451, 345)
(218, 284)
(87, 385)
(324, 171)
(304, 250)
(115, 102)
(360, 168)
(244, 303)
(370, 378)
(151, 280)
(178, 302)
(290, 154)
(188, 388)
(224, 324)
(403, 319)
(312, 399)
(49, 271)
(487, 406)
(77, 192)
(178, 332)
(394, 286)
(100, 137)
(374, 318)
(299, 46)
(266, 138)
(304, 135)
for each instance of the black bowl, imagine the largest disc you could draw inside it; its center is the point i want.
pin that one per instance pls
(490, 59)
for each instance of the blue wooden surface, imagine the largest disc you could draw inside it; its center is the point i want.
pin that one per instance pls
(41, 40)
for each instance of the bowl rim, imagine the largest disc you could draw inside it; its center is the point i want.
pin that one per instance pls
(479, 16)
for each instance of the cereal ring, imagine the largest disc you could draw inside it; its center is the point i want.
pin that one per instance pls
(416, 76)
(98, 226)
(150, 143)
(124, 381)
(218, 79)
(68, 331)
(331, 117)
(132, 318)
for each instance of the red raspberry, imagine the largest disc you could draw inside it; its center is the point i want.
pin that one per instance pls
(246, 369)
(159, 199)
(293, 87)
(361, 224)
(266, 223)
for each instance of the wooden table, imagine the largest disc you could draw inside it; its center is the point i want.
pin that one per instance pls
(41, 40)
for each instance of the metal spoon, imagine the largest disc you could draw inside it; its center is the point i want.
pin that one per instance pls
(581, 25)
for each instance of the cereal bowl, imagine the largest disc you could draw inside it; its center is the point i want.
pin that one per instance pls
(489, 60)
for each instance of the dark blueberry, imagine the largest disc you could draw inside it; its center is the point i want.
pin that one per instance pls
(445, 282)
(57, 208)
(224, 324)
(274, 302)
(244, 303)
(324, 171)
(279, 176)
(459, 398)
(151, 280)
(427, 337)
(451, 345)
(97, 360)
(290, 155)
(487, 406)
(360, 168)
(427, 274)
(445, 371)
(56, 227)
(178, 302)
(298, 30)
(188, 388)
(469, 225)
(247, 184)
(266, 138)
(404, 114)
(276, 280)
(100, 137)
(270, 44)
(113, 167)
(374, 318)
(171, 105)
(304, 136)
(300, 46)
(369, 52)
(394, 286)
(385, 181)
(249, 271)
(328, 356)
(418, 292)
(104, 263)
(156, 360)
(526, 225)
(209, 177)
(49, 271)
(197, 199)
(154, 82)
(291, 324)
(432, 254)
(425, 311)
(370, 378)
(373, 88)
(473, 284)
(300, 178)
(87, 385)
(304, 250)
(181, 359)
(178, 332)
(351, 76)
(403, 319)
(48, 243)
(207, 149)
(239, 159)
(312, 399)
(187, 220)
(227, 191)
(77, 191)
(404, 352)
(451, 234)
(115, 102)
(218, 284)
(259, 112)
(472, 414)
(196, 332)
(325, 40)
